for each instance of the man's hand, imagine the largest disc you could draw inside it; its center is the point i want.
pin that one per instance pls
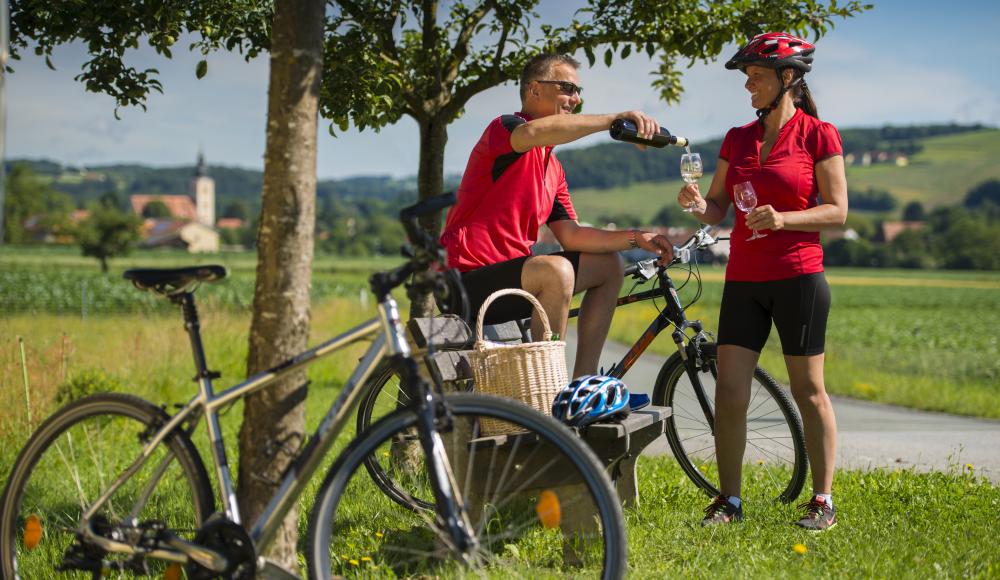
(645, 125)
(657, 244)
(765, 217)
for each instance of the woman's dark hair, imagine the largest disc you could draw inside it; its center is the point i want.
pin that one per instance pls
(801, 95)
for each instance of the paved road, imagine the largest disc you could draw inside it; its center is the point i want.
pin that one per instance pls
(870, 435)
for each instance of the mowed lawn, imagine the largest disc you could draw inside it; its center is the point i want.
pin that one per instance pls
(921, 339)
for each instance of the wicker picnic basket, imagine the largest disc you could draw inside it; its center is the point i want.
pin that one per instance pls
(532, 373)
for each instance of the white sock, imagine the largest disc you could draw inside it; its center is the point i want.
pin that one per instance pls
(827, 497)
(735, 500)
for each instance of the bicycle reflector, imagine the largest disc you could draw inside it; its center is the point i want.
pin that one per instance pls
(548, 509)
(32, 532)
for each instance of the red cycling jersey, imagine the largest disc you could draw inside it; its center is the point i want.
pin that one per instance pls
(786, 181)
(503, 199)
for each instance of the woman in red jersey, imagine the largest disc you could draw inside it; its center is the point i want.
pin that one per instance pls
(794, 162)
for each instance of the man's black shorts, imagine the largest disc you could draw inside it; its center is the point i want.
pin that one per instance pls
(482, 282)
(798, 306)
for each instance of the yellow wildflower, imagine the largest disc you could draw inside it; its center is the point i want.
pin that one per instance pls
(799, 549)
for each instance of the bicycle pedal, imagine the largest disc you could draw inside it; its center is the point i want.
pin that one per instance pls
(270, 570)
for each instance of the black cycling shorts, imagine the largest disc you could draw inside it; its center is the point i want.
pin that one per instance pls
(482, 282)
(798, 306)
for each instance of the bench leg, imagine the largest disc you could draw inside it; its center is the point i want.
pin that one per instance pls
(579, 523)
(626, 482)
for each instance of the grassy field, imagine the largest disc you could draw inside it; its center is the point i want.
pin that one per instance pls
(941, 174)
(893, 523)
(914, 338)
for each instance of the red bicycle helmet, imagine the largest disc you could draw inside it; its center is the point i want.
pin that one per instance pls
(775, 50)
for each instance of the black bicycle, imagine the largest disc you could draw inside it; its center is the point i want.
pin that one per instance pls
(686, 383)
(113, 484)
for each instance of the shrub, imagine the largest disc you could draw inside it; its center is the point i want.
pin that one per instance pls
(87, 382)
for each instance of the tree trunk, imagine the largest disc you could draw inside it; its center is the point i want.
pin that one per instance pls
(430, 181)
(274, 419)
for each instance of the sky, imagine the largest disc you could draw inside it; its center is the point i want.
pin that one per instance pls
(904, 62)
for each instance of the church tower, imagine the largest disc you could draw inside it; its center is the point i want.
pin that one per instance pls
(203, 191)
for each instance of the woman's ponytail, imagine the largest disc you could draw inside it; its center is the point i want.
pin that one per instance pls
(802, 97)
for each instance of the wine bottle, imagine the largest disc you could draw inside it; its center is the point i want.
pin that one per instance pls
(625, 130)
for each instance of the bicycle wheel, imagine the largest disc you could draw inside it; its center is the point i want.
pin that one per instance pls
(775, 452)
(70, 461)
(384, 395)
(537, 500)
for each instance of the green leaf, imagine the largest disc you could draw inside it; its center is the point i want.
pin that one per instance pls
(608, 57)
(626, 51)
(202, 69)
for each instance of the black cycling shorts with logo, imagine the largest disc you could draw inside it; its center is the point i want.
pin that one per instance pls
(482, 282)
(798, 306)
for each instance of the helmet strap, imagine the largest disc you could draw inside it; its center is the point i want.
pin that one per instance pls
(762, 113)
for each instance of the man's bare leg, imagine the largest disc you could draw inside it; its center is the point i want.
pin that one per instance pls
(601, 276)
(550, 279)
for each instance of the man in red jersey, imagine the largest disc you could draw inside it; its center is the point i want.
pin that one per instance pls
(513, 184)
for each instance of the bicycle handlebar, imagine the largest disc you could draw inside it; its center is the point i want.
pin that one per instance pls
(646, 269)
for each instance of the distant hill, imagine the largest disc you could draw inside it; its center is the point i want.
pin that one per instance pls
(945, 161)
(940, 173)
(613, 165)
(231, 183)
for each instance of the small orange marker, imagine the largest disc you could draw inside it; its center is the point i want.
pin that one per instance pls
(548, 509)
(173, 572)
(32, 532)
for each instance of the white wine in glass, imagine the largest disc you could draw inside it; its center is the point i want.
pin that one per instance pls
(746, 199)
(691, 170)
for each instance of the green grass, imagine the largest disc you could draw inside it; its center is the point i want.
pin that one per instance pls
(913, 338)
(941, 174)
(893, 524)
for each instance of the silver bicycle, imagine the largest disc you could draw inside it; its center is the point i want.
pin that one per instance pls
(113, 484)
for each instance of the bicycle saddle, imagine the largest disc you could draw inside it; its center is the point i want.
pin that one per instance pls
(169, 281)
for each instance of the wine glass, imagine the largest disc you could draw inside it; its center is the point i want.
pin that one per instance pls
(691, 170)
(746, 199)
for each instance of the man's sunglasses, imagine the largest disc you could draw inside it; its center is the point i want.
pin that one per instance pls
(565, 87)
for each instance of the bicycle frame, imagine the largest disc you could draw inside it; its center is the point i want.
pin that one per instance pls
(388, 339)
(672, 315)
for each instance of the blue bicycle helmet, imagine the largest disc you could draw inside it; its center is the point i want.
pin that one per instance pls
(589, 399)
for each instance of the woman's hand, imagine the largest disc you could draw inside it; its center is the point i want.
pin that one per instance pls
(690, 198)
(765, 217)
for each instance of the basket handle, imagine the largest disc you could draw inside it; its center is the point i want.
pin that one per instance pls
(516, 292)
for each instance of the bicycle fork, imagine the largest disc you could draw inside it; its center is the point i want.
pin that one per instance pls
(432, 418)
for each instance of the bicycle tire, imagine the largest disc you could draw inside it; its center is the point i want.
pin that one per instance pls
(383, 395)
(77, 434)
(775, 441)
(350, 527)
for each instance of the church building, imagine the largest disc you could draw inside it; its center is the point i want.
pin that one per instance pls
(191, 224)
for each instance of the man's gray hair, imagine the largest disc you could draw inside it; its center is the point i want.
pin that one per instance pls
(541, 66)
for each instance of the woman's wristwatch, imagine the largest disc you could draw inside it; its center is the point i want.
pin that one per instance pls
(633, 241)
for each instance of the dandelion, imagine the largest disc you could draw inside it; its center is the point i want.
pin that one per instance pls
(378, 534)
(344, 557)
(353, 562)
(968, 466)
(799, 549)
(366, 559)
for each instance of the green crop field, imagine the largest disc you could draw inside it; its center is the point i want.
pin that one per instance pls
(920, 339)
(941, 174)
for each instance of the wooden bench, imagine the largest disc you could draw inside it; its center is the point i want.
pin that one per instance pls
(617, 445)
